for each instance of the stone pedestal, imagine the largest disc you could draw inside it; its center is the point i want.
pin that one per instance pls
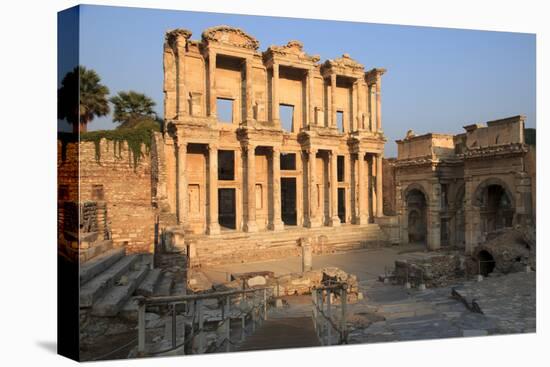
(307, 254)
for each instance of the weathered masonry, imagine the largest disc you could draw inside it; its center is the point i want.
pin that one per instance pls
(456, 189)
(273, 141)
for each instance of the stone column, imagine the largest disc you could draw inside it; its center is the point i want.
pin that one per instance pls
(212, 83)
(213, 224)
(379, 195)
(249, 91)
(434, 220)
(313, 207)
(181, 166)
(333, 100)
(354, 121)
(277, 223)
(275, 95)
(250, 225)
(310, 92)
(182, 95)
(334, 219)
(378, 103)
(362, 194)
(372, 107)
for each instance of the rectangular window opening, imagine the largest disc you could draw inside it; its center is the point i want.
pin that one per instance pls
(226, 165)
(224, 109)
(340, 168)
(288, 161)
(286, 115)
(340, 121)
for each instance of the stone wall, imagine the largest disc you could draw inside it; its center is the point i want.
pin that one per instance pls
(111, 175)
(388, 186)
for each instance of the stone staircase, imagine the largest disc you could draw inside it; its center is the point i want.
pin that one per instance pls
(109, 280)
(235, 247)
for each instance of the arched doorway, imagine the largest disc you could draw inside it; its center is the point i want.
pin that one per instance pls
(416, 216)
(486, 263)
(496, 209)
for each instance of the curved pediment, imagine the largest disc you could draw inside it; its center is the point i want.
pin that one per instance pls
(230, 36)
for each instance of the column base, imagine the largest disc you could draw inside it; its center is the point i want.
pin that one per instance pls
(213, 228)
(277, 226)
(250, 227)
(312, 223)
(335, 222)
(362, 220)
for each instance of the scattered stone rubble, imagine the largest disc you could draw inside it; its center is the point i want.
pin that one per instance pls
(284, 285)
(512, 249)
(433, 269)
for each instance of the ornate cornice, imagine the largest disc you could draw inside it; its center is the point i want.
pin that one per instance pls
(344, 63)
(494, 151)
(171, 36)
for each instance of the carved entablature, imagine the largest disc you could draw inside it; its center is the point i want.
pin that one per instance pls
(416, 161)
(293, 51)
(344, 65)
(230, 36)
(172, 36)
(495, 151)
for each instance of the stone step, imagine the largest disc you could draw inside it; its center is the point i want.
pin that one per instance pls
(147, 287)
(98, 264)
(115, 298)
(95, 288)
(98, 248)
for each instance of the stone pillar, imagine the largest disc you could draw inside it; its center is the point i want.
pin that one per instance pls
(471, 217)
(362, 194)
(181, 166)
(372, 107)
(354, 121)
(277, 223)
(333, 100)
(250, 225)
(307, 254)
(310, 92)
(313, 207)
(379, 195)
(275, 95)
(249, 91)
(378, 103)
(347, 179)
(213, 224)
(334, 219)
(182, 95)
(212, 83)
(434, 220)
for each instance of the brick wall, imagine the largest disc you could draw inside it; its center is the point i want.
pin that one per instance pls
(125, 187)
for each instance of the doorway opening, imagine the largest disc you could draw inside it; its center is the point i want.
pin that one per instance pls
(342, 204)
(227, 208)
(486, 263)
(417, 216)
(288, 201)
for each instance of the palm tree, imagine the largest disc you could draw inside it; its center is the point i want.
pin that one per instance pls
(131, 108)
(81, 108)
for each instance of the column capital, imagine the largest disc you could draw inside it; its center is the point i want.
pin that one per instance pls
(211, 147)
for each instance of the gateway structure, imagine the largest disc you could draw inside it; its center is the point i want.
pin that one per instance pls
(266, 148)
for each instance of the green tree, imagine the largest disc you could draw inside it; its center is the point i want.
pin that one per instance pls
(81, 98)
(132, 108)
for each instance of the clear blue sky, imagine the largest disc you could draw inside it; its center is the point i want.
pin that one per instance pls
(438, 79)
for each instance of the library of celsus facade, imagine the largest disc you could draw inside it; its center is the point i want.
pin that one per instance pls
(276, 145)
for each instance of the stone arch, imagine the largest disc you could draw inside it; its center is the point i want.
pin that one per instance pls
(415, 200)
(496, 204)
